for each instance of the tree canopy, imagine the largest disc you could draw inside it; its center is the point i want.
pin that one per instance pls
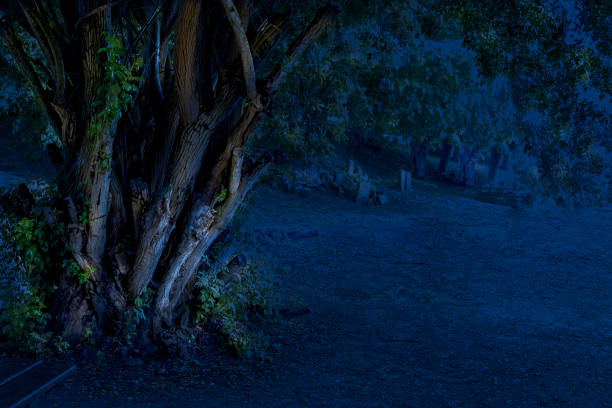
(408, 71)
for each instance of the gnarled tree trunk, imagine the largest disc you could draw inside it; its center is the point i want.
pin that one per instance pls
(153, 156)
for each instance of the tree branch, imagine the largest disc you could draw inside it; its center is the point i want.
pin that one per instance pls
(236, 140)
(77, 238)
(186, 166)
(186, 60)
(321, 20)
(186, 163)
(244, 48)
(142, 31)
(95, 169)
(267, 35)
(204, 226)
(235, 171)
(25, 67)
(48, 43)
(169, 18)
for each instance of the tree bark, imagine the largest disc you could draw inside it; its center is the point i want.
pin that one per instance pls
(419, 159)
(467, 165)
(494, 164)
(446, 152)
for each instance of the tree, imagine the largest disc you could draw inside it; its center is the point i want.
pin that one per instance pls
(387, 79)
(489, 122)
(153, 102)
(551, 52)
(24, 125)
(432, 80)
(378, 79)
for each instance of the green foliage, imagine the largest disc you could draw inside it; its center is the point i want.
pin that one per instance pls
(21, 117)
(386, 83)
(310, 110)
(570, 163)
(30, 242)
(487, 115)
(60, 344)
(83, 218)
(399, 73)
(233, 305)
(75, 271)
(24, 321)
(88, 335)
(25, 318)
(30, 281)
(222, 195)
(135, 315)
(115, 95)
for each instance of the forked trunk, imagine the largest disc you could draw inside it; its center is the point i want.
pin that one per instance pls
(153, 163)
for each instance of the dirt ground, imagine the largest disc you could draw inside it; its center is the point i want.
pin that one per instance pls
(429, 301)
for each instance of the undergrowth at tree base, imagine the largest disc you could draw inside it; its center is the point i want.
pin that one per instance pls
(230, 307)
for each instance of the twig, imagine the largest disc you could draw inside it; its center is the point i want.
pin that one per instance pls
(141, 32)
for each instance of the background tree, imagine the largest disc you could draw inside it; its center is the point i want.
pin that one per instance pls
(24, 125)
(400, 67)
(556, 56)
(490, 123)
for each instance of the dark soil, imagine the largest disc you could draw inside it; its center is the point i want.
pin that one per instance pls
(430, 301)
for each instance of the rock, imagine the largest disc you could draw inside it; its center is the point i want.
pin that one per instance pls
(338, 180)
(351, 167)
(233, 268)
(340, 184)
(325, 176)
(381, 198)
(308, 177)
(362, 175)
(364, 191)
(349, 188)
(239, 260)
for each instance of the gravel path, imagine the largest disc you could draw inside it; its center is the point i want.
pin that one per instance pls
(430, 301)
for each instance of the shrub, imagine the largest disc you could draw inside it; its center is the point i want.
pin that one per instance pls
(33, 260)
(233, 306)
(23, 317)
